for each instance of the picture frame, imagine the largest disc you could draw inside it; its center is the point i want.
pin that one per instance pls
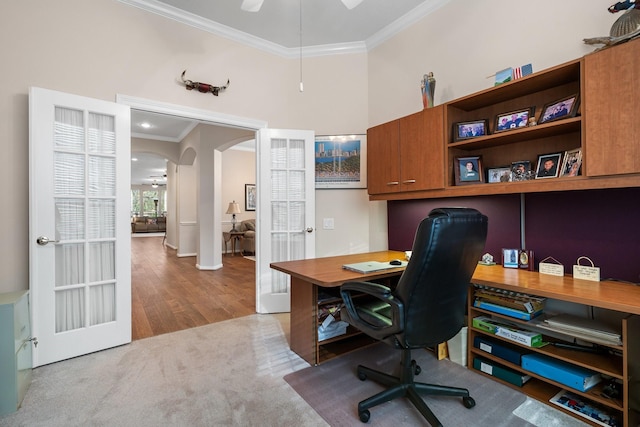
(502, 174)
(517, 258)
(513, 119)
(468, 170)
(341, 161)
(510, 258)
(560, 109)
(471, 129)
(521, 171)
(571, 162)
(250, 197)
(548, 165)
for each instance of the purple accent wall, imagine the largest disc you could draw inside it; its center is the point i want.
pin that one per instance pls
(503, 212)
(601, 224)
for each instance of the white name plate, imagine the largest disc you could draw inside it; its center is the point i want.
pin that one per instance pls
(586, 273)
(551, 269)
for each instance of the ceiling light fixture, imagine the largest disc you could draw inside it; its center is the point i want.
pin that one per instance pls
(154, 185)
(145, 125)
(350, 4)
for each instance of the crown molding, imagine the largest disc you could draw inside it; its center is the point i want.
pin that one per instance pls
(224, 31)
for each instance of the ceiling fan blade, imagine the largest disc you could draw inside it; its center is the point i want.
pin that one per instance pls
(251, 5)
(350, 4)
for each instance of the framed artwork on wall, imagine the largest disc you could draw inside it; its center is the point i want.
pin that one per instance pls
(249, 197)
(341, 161)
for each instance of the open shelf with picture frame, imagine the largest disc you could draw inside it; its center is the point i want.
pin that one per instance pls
(596, 122)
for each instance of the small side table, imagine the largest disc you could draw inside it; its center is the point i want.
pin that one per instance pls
(233, 236)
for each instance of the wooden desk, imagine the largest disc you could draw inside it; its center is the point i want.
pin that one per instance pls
(308, 278)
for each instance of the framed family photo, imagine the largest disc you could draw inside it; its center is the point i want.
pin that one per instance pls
(560, 109)
(341, 161)
(548, 166)
(571, 162)
(513, 119)
(473, 129)
(468, 170)
(502, 174)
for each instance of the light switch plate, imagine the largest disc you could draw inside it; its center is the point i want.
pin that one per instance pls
(327, 223)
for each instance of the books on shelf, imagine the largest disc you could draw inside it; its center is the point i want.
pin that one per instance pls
(331, 328)
(594, 412)
(507, 311)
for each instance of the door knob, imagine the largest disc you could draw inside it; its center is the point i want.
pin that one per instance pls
(309, 230)
(43, 240)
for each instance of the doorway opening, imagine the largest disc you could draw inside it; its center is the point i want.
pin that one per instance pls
(168, 292)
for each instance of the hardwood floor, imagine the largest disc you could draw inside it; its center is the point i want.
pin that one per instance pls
(170, 294)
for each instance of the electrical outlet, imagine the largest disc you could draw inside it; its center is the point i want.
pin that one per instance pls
(327, 223)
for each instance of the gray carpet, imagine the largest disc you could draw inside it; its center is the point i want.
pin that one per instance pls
(334, 391)
(224, 374)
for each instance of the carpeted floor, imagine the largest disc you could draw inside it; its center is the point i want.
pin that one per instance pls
(224, 374)
(334, 391)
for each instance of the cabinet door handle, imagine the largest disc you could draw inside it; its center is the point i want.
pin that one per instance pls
(409, 181)
(393, 183)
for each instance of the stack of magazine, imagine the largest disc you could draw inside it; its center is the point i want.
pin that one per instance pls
(513, 304)
(583, 328)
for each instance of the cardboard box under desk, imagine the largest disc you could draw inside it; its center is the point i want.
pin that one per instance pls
(576, 377)
(494, 369)
(504, 351)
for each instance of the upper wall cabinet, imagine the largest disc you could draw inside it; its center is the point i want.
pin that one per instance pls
(406, 155)
(612, 128)
(604, 127)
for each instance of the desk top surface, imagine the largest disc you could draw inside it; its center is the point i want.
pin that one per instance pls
(328, 272)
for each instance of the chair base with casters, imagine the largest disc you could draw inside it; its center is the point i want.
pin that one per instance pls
(405, 386)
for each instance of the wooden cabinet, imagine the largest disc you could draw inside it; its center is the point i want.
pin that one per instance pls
(612, 128)
(605, 128)
(406, 155)
(15, 350)
(611, 300)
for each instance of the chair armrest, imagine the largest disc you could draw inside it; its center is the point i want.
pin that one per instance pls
(381, 293)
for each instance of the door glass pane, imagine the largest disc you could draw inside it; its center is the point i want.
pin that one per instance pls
(296, 216)
(296, 154)
(102, 217)
(102, 301)
(278, 185)
(279, 216)
(70, 309)
(69, 219)
(296, 185)
(69, 264)
(278, 153)
(102, 261)
(102, 176)
(68, 172)
(279, 252)
(101, 135)
(68, 132)
(296, 243)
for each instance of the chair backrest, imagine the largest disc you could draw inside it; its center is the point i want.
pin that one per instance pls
(433, 288)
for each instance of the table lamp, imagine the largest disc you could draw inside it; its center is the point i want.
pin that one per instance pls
(233, 209)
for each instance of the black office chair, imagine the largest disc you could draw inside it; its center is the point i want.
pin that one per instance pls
(426, 308)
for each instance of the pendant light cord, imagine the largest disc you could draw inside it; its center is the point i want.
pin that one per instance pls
(301, 84)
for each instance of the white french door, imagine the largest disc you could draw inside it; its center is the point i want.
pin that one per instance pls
(285, 211)
(79, 231)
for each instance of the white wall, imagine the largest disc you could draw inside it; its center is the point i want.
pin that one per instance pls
(71, 46)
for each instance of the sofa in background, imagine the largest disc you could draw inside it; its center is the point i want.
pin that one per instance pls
(145, 224)
(248, 227)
